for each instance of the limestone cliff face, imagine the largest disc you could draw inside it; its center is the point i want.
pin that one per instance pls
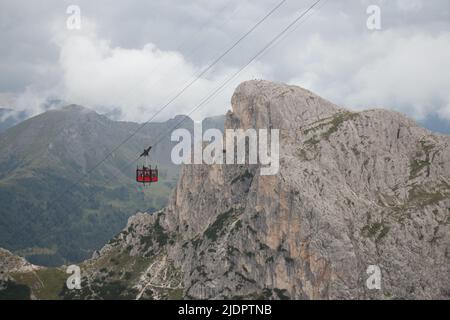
(353, 190)
(9, 264)
(13, 263)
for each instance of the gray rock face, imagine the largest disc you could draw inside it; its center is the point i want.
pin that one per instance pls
(353, 190)
(10, 263)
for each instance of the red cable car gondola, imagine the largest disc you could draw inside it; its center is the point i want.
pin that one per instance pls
(146, 174)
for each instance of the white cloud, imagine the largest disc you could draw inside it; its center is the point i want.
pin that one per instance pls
(392, 69)
(137, 65)
(137, 81)
(409, 5)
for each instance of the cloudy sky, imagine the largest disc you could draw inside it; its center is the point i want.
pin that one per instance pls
(130, 57)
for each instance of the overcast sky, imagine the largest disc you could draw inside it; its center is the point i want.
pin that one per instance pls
(130, 57)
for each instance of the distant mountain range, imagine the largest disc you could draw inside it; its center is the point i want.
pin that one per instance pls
(44, 155)
(9, 118)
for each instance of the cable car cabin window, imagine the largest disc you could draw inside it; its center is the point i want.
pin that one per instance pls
(146, 175)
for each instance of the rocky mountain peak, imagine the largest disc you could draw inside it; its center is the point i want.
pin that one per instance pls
(265, 104)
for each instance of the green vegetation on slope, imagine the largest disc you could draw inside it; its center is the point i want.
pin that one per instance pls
(70, 229)
(44, 284)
